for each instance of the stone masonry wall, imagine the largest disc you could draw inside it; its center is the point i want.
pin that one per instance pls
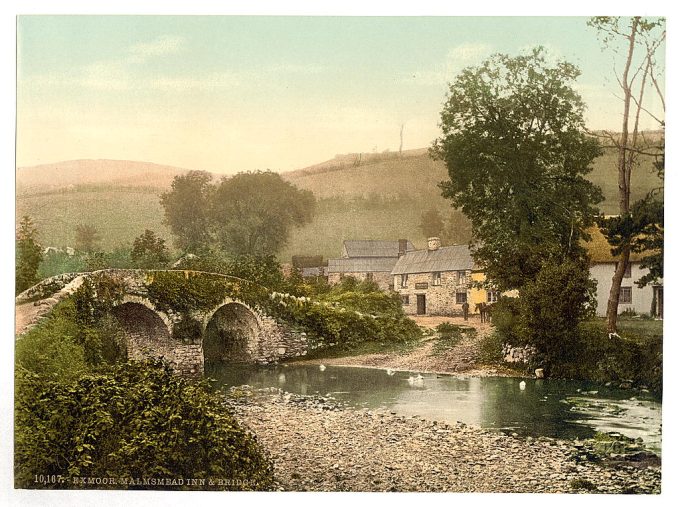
(188, 359)
(277, 342)
(439, 299)
(518, 354)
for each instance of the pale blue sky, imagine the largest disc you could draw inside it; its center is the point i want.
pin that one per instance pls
(229, 94)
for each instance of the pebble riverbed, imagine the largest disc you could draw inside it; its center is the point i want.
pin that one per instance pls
(317, 444)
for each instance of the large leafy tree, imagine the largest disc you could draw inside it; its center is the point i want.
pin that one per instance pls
(187, 210)
(246, 214)
(28, 255)
(637, 39)
(254, 212)
(517, 152)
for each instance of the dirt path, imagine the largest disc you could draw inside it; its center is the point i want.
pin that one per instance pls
(28, 314)
(25, 315)
(463, 358)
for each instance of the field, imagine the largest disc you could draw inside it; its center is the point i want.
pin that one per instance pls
(119, 214)
(382, 198)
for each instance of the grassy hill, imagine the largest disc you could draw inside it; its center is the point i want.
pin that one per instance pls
(361, 196)
(385, 196)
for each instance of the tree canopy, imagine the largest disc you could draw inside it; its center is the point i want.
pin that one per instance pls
(28, 255)
(149, 251)
(638, 40)
(516, 148)
(246, 214)
(187, 210)
(431, 223)
(254, 212)
(87, 238)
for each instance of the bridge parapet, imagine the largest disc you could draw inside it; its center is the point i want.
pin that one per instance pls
(170, 314)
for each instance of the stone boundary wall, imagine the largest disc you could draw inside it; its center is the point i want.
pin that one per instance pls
(518, 354)
(277, 341)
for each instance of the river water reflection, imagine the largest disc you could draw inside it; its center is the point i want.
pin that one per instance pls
(555, 408)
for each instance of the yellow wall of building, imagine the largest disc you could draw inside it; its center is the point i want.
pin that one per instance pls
(477, 295)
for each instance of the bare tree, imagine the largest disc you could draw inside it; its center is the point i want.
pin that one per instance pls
(401, 139)
(641, 38)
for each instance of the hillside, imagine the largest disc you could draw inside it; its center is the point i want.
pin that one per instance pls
(379, 196)
(114, 173)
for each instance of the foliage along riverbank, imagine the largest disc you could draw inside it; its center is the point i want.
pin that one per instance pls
(453, 346)
(80, 412)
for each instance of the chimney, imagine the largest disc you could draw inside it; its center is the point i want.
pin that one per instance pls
(402, 247)
(433, 244)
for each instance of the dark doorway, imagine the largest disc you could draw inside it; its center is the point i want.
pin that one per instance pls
(420, 300)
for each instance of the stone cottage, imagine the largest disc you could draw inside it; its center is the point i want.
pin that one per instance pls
(435, 281)
(645, 300)
(368, 260)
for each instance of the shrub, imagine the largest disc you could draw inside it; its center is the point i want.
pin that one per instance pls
(56, 263)
(50, 349)
(132, 421)
(99, 333)
(552, 306)
(491, 348)
(449, 336)
(506, 319)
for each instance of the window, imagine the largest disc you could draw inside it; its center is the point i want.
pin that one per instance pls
(436, 278)
(461, 297)
(404, 300)
(626, 295)
(491, 296)
(404, 281)
(462, 277)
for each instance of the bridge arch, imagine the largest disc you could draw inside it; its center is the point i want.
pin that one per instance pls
(147, 330)
(231, 333)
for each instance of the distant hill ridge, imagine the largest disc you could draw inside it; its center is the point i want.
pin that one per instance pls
(346, 160)
(123, 173)
(361, 196)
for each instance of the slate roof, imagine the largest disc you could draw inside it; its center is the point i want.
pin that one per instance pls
(373, 248)
(446, 258)
(362, 265)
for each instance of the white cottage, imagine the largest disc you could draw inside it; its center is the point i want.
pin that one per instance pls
(646, 300)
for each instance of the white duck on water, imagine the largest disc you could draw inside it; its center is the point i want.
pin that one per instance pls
(522, 385)
(322, 367)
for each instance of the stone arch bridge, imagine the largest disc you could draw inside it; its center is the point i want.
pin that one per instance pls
(227, 326)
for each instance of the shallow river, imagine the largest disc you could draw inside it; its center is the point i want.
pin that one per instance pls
(554, 408)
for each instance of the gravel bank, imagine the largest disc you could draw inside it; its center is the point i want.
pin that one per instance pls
(462, 359)
(318, 445)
